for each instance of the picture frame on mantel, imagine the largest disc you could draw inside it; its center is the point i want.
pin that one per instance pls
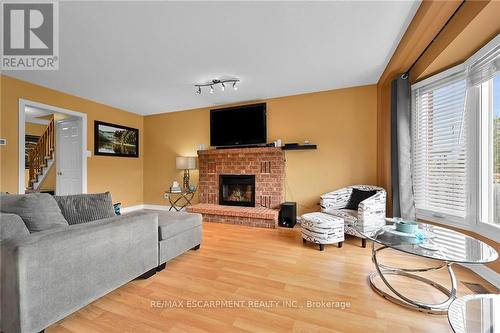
(115, 140)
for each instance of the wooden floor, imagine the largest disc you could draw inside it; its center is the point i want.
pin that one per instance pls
(274, 279)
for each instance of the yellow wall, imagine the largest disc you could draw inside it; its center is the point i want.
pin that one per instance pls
(342, 123)
(122, 176)
(478, 32)
(34, 129)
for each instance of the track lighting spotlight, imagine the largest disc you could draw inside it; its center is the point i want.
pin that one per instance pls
(215, 82)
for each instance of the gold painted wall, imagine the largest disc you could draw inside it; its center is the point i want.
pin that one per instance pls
(343, 123)
(122, 176)
(34, 129)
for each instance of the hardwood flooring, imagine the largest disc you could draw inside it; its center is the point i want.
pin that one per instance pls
(278, 283)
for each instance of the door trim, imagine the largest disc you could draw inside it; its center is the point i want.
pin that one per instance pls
(23, 103)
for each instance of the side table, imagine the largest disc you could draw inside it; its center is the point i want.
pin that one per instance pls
(183, 198)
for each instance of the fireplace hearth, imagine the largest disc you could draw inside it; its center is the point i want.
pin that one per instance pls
(237, 190)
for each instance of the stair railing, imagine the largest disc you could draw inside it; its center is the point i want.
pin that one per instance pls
(43, 151)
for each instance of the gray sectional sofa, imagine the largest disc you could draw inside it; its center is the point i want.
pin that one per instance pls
(59, 254)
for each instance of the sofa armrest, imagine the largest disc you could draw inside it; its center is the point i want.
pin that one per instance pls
(48, 275)
(335, 200)
(372, 210)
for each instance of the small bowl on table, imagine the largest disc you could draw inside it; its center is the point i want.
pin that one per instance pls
(409, 227)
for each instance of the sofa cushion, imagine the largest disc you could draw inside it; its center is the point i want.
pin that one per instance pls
(173, 223)
(350, 216)
(39, 211)
(82, 208)
(12, 226)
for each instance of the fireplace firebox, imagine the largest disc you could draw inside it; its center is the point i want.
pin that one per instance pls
(237, 190)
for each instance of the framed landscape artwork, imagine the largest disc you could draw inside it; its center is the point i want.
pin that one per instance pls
(115, 140)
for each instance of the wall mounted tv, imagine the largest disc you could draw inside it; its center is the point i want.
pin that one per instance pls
(238, 126)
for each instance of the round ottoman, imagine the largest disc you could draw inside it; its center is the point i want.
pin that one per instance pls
(321, 228)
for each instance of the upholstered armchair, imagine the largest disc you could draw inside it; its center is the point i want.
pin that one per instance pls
(370, 211)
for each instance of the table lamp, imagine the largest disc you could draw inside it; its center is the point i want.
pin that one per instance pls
(185, 163)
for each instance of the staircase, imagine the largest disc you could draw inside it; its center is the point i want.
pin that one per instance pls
(41, 157)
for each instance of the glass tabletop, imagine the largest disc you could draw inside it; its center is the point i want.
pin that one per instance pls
(475, 314)
(432, 242)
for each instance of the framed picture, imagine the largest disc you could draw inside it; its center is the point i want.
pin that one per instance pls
(115, 140)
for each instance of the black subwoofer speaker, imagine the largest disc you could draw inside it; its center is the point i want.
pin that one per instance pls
(288, 214)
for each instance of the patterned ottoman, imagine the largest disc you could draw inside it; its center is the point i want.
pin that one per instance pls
(321, 228)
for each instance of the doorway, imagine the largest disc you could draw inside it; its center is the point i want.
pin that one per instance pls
(52, 149)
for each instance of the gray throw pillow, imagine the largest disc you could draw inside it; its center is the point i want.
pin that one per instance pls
(39, 211)
(12, 226)
(82, 208)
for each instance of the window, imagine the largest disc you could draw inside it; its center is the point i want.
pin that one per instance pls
(456, 144)
(440, 147)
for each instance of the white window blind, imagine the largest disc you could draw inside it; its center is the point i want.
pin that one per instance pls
(440, 147)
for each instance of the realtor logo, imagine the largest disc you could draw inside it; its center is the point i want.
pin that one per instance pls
(30, 36)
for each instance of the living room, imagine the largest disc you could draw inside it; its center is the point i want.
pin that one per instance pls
(328, 97)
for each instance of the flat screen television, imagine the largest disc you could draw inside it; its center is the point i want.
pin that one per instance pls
(238, 126)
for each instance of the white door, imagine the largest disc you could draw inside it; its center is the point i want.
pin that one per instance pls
(69, 157)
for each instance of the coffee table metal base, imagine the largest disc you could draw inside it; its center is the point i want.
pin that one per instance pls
(398, 298)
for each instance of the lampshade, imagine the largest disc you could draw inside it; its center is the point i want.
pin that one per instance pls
(185, 162)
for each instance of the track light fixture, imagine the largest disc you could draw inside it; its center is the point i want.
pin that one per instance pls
(215, 82)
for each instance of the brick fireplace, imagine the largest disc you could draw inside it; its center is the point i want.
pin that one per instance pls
(266, 167)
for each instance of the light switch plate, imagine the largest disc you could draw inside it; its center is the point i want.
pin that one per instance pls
(89, 153)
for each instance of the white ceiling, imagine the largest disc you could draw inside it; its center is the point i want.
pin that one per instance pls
(145, 57)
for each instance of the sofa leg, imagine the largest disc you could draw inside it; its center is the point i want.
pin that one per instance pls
(148, 274)
(197, 247)
(161, 267)
(321, 247)
(363, 242)
(303, 240)
(340, 244)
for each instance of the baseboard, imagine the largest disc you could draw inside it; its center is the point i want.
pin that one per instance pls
(131, 208)
(139, 207)
(156, 207)
(486, 273)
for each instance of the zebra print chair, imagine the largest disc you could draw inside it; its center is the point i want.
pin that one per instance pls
(371, 211)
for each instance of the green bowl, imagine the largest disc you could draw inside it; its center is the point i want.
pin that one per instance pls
(408, 227)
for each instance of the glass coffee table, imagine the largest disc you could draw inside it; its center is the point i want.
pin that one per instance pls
(442, 245)
(475, 314)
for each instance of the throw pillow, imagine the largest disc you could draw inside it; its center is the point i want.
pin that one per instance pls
(117, 206)
(357, 196)
(39, 211)
(12, 226)
(82, 208)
